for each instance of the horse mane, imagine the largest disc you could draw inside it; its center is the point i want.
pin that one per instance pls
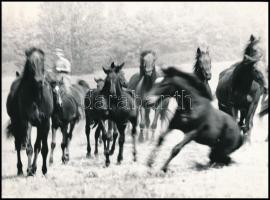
(193, 81)
(33, 60)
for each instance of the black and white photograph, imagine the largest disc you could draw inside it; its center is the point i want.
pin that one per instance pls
(134, 99)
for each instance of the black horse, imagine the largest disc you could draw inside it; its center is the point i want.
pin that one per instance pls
(202, 67)
(113, 103)
(196, 117)
(142, 83)
(30, 103)
(241, 86)
(112, 129)
(66, 113)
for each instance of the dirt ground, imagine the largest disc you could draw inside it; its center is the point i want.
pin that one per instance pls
(187, 175)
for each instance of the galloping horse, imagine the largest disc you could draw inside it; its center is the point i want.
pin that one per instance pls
(30, 103)
(66, 112)
(241, 85)
(112, 103)
(196, 117)
(142, 83)
(111, 127)
(202, 67)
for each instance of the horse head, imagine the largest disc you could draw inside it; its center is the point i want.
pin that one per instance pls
(147, 62)
(252, 57)
(100, 83)
(57, 90)
(202, 67)
(114, 80)
(34, 66)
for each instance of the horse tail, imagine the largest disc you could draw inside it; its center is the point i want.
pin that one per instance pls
(9, 129)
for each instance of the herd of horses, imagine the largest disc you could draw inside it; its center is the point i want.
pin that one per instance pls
(38, 99)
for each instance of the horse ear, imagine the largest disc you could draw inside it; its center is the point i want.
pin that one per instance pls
(27, 52)
(118, 68)
(17, 74)
(112, 65)
(105, 70)
(252, 38)
(199, 51)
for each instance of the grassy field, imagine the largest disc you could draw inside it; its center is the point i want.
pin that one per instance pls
(187, 176)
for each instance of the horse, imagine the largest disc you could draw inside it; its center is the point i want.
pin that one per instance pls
(112, 103)
(142, 83)
(241, 85)
(66, 113)
(196, 117)
(30, 103)
(202, 67)
(111, 127)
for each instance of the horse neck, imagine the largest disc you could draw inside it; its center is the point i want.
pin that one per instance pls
(242, 77)
(197, 70)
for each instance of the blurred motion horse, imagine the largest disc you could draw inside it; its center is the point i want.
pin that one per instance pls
(241, 86)
(30, 103)
(142, 83)
(196, 117)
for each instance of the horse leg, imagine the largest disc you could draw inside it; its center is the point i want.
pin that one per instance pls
(147, 122)
(87, 133)
(19, 162)
(71, 128)
(97, 134)
(29, 148)
(133, 133)
(64, 142)
(115, 135)
(153, 154)
(154, 123)
(37, 148)
(106, 142)
(142, 124)
(45, 149)
(53, 144)
(234, 112)
(249, 120)
(177, 148)
(121, 128)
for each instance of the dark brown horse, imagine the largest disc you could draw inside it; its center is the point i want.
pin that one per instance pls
(142, 83)
(66, 113)
(241, 86)
(30, 103)
(112, 103)
(196, 117)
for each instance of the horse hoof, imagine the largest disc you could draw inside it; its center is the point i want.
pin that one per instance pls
(88, 155)
(31, 171)
(20, 173)
(107, 164)
(141, 139)
(164, 169)
(44, 170)
(51, 161)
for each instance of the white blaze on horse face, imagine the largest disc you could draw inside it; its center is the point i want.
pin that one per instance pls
(149, 61)
(57, 89)
(159, 79)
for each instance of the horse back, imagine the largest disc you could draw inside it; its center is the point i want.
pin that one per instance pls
(133, 82)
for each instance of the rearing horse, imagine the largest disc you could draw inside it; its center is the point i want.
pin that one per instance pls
(142, 83)
(240, 86)
(30, 103)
